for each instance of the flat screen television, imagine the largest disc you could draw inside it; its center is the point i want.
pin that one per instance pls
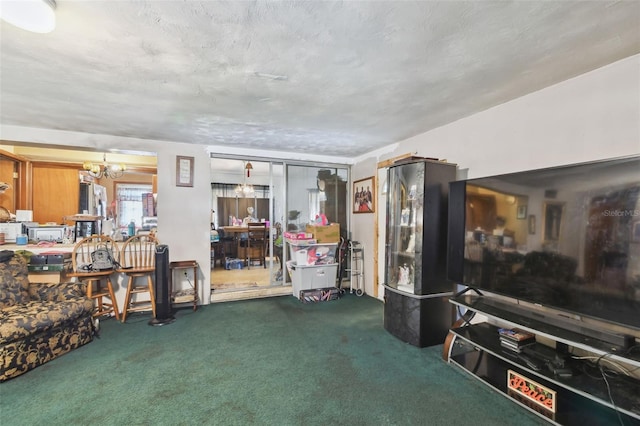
(565, 238)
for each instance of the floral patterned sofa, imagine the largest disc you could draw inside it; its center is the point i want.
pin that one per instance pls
(38, 322)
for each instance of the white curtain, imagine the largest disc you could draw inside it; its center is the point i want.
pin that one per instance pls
(129, 198)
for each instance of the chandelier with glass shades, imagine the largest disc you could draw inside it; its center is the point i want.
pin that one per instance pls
(245, 189)
(105, 169)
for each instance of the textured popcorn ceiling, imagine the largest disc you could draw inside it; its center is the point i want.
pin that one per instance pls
(335, 78)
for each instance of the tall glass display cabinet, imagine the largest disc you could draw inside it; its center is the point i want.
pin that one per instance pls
(417, 292)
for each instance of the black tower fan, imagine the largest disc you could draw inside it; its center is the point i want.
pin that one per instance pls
(164, 313)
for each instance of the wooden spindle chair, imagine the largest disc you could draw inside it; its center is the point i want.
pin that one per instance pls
(138, 260)
(98, 282)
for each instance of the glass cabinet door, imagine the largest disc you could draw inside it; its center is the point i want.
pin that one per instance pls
(405, 204)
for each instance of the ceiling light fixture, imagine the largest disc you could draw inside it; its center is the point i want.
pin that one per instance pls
(37, 16)
(106, 170)
(245, 189)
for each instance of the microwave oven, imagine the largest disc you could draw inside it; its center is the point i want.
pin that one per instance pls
(11, 231)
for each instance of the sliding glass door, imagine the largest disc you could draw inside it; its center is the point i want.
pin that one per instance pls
(285, 196)
(313, 192)
(246, 192)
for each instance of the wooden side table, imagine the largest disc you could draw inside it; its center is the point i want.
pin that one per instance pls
(184, 298)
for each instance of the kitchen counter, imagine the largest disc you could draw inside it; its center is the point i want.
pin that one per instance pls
(37, 249)
(118, 279)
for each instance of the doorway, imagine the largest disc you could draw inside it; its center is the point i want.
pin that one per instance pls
(285, 195)
(244, 257)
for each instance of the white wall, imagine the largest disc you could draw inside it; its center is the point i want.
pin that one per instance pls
(184, 215)
(590, 117)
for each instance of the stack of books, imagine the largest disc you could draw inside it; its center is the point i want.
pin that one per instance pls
(515, 339)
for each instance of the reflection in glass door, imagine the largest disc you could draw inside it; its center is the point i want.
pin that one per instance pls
(244, 193)
(313, 191)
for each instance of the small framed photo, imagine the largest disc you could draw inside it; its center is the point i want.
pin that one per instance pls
(364, 195)
(184, 171)
(532, 224)
(521, 212)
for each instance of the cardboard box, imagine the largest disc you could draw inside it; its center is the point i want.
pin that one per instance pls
(325, 234)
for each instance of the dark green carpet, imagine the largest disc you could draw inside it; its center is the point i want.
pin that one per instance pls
(271, 362)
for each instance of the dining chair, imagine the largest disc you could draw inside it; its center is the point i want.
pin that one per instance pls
(98, 282)
(138, 260)
(227, 246)
(256, 243)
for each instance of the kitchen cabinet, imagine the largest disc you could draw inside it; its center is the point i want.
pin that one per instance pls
(55, 192)
(416, 287)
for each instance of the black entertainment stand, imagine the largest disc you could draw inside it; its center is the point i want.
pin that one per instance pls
(582, 396)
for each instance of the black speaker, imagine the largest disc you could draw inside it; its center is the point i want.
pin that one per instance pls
(456, 230)
(162, 288)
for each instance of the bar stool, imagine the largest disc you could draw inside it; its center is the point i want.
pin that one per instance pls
(81, 261)
(138, 260)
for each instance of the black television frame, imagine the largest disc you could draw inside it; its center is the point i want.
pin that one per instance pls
(560, 315)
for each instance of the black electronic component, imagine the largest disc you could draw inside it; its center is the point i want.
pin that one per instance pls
(496, 254)
(531, 362)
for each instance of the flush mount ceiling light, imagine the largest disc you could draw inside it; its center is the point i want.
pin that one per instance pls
(106, 170)
(37, 16)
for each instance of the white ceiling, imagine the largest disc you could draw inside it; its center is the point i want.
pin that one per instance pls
(333, 78)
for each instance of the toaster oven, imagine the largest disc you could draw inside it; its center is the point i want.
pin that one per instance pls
(53, 233)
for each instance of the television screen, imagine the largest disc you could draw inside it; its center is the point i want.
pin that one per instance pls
(566, 238)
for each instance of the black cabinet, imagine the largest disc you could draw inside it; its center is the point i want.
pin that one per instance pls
(416, 287)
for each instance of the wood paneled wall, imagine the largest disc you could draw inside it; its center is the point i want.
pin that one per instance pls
(231, 206)
(55, 192)
(8, 199)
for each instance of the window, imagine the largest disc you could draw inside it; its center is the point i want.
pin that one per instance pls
(134, 201)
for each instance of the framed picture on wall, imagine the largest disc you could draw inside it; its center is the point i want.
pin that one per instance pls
(553, 213)
(532, 224)
(184, 171)
(364, 195)
(521, 212)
